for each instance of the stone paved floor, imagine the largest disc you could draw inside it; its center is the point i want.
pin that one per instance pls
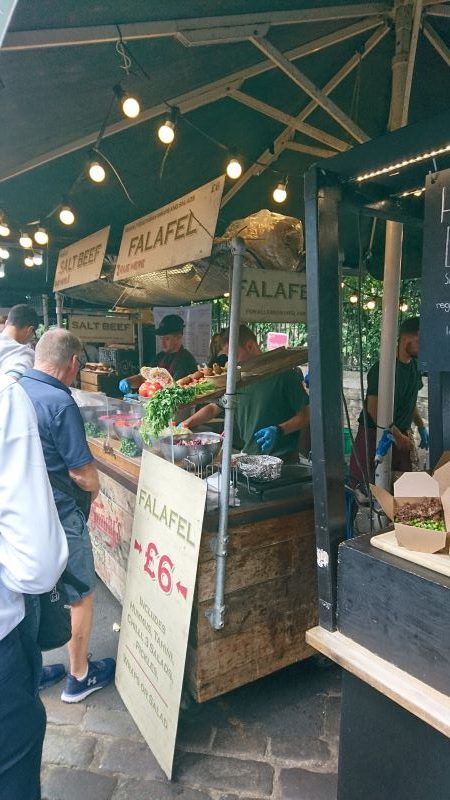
(276, 738)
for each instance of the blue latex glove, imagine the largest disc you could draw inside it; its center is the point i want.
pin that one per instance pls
(383, 445)
(124, 386)
(306, 380)
(424, 438)
(266, 438)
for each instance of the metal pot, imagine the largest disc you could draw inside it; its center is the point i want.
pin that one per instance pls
(198, 454)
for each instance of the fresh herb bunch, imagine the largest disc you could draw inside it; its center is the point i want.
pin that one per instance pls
(429, 525)
(129, 448)
(92, 429)
(161, 408)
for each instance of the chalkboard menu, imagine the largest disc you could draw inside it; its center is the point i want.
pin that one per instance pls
(435, 310)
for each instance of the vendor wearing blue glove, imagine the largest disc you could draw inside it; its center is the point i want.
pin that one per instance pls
(408, 382)
(270, 412)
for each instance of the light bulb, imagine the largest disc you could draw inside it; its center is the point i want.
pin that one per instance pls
(4, 229)
(166, 132)
(96, 172)
(226, 294)
(28, 261)
(371, 304)
(37, 259)
(353, 298)
(4, 253)
(234, 169)
(41, 236)
(2, 270)
(404, 307)
(280, 193)
(131, 107)
(66, 215)
(25, 241)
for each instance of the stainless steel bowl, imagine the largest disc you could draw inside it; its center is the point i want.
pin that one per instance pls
(198, 454)
(89, 413)
(124, 431)
(137, 436)
(260, 468)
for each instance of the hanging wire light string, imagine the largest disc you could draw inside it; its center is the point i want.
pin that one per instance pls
(114, 170)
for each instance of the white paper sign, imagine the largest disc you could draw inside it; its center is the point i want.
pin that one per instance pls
(101, 328)
(82, 261)
(180, 232)
(273, 296)
(197, 330)
(162, 570)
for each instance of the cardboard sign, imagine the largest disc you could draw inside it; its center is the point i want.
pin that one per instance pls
(434, 353)
(81, 262)
(162, 569)
(180, 232)
(197, 331)
(109, 330)
(273, 296)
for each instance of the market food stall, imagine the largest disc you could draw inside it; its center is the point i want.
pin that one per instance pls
(382, 604)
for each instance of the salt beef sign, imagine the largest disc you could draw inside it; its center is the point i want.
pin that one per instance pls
(180, 232)
(273, 296)
(82, 261)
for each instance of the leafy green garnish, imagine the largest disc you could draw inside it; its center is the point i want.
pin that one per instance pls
(161, 408)
(128, 447)
(92, 429)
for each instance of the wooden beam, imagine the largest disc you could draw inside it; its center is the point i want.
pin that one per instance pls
(268, 156)
(299, 147)
(437, 42)
(70, 37)
(309, 88)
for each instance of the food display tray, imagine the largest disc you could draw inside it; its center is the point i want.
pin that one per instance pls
(438, 562)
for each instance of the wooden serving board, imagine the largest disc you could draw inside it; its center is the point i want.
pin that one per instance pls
(438, 562)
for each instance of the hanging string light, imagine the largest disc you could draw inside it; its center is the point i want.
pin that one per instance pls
(4, 253)
(4, 227)
(353, 298)
(66, 215)
(2, 270)
(38, 259)
(41, 236)
(280, 192)
(28, 261)
(371, 305)
(25, 241)
(130, 105)
(234, 168)
(404, 307)
(97, 172)
(166, 131)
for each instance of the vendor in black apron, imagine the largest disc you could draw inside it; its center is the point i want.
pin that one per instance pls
(173, 356)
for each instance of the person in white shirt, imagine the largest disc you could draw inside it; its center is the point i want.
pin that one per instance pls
(33, 555)
(16, 355)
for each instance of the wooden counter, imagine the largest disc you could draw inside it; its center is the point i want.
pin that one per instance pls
(270, 587)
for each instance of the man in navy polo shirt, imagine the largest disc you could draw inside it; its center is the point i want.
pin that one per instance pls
(73, 477)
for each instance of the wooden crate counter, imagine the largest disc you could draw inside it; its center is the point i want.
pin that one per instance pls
(270, 588)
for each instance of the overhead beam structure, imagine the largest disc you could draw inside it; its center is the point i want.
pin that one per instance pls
(439, 10)
(270, 155)
(309, 88)
(437, 42)
(69, 37)
(299, 147)
(198, 97)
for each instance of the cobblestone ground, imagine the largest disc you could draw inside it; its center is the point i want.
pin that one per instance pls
(276, 738)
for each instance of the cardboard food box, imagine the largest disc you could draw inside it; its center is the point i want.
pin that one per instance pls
(412, 487)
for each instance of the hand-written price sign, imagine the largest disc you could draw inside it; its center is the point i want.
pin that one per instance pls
(434, 353)
(162, 569)
(180, 232)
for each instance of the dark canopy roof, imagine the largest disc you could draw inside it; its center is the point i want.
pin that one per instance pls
(59, 63)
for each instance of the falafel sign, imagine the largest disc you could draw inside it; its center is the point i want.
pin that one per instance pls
(180, 232)
(82, 261)
(162, 569)
(273, 296)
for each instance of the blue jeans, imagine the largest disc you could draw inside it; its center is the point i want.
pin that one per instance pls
(22, 717)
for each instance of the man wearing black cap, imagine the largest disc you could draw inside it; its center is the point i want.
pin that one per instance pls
(173, 356)
(408, 382)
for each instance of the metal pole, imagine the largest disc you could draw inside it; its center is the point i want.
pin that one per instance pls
(216, 614)
(59, 309)
(45, 310)
(401, 72)
(140, 334)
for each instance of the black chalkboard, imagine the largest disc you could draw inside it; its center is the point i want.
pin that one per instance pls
(435, 309)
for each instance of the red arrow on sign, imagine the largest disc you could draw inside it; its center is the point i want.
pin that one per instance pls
(137, 546)
(182, 589)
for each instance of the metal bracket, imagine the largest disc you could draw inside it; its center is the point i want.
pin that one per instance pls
(214, 547)
(196, 38)
(216, 617)
(229, 401)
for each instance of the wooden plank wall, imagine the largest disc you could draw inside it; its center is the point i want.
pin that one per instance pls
(271, 600)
